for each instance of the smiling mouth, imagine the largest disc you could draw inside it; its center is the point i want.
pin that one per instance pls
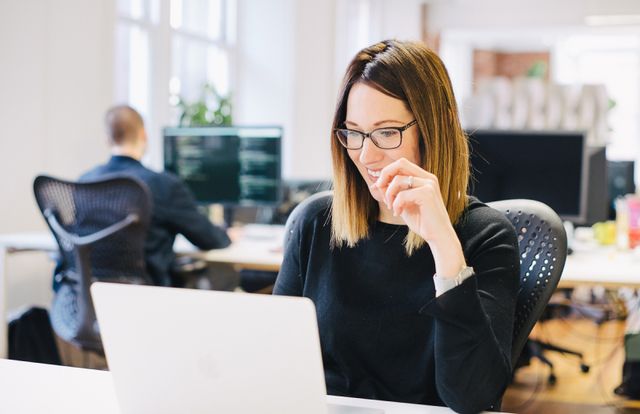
(373, 173)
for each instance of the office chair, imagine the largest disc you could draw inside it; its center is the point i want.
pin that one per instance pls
(543, 250)
(318, 200)
(100, 227)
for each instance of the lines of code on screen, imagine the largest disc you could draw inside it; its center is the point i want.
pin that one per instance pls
(226, 165)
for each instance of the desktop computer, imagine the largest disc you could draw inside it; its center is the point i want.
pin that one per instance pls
(554, 167)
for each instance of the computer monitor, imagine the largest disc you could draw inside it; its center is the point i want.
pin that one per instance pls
(621, 182)
(239, 165)
(551, 167)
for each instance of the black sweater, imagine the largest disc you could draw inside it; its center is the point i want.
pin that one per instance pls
(383, 333)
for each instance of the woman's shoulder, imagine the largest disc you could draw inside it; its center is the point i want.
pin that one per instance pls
(479, 217)
(314, 209)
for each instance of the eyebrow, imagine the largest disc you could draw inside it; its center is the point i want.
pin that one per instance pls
(376, 123)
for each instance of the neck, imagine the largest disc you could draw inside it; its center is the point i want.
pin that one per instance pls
(386, 216)
(126, 152)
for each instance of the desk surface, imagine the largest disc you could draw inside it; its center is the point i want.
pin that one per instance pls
(259, 247)
(262, 250)
(604, 266)
(37, 388)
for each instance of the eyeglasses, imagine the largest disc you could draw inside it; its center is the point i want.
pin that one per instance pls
(383, 138)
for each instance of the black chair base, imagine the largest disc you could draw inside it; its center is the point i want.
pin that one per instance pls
(535, 349)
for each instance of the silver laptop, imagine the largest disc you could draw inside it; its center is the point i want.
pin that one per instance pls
(192, 351)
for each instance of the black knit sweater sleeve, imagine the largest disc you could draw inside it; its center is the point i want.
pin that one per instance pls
(474, 322)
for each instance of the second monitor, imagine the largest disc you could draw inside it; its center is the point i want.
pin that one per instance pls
(555, 167)
(227, 165)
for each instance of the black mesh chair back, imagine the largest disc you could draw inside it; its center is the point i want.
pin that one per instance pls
(543, 251)
(101, 228)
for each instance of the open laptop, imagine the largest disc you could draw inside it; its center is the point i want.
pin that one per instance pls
(192, 351)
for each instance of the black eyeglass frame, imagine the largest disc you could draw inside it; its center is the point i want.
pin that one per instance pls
(364, 135)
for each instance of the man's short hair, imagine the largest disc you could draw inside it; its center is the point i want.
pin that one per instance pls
(123, 124)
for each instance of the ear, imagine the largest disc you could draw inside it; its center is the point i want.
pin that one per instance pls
(143, 138)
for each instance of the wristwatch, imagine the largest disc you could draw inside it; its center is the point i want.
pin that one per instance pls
(443, 284)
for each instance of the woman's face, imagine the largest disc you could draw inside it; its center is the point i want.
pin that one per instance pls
(369, 109)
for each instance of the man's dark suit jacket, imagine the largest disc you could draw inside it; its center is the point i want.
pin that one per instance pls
(174, 212)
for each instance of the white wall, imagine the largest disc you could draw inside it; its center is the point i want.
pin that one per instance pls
(263, 89)
(285, 58)
(314, 88)
(55, 78)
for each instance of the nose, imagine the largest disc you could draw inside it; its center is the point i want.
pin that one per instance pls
(369, 152)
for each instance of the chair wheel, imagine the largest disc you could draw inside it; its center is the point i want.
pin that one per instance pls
(584, 368)
(552, 379)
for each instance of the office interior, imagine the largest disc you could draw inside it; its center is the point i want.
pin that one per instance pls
(280, 63)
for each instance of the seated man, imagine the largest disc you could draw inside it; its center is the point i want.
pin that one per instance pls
(174, 207)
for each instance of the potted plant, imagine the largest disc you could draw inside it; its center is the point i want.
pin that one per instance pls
(211, 109)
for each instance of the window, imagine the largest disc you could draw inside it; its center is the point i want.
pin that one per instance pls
(134, 26)
(167, 49)
(202, 40)
(590, 59)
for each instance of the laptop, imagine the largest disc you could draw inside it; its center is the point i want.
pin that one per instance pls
(192, 351)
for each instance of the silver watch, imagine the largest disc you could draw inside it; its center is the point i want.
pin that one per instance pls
(443, 284)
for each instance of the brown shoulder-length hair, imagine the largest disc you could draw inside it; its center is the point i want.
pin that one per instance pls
(414, 74)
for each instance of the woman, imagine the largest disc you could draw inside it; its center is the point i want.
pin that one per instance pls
(414, 282)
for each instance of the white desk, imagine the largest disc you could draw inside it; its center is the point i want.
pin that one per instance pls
(259, 248)
(603, 266)
(29, 388)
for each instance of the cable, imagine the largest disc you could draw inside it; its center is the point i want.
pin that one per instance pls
(532, 398)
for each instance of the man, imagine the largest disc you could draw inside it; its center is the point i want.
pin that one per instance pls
(174, 208)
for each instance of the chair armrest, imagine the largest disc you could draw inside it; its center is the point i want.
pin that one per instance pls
(91, 238)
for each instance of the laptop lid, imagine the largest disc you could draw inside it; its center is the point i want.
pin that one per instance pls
(192, 351)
